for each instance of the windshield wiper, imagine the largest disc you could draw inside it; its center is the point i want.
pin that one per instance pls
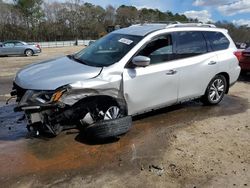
(82, 62)
(76, 59)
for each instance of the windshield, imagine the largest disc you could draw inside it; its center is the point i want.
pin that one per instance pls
(107, 50)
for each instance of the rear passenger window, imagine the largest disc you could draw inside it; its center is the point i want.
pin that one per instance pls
(190, 43)
(217, 40)
(18, 44)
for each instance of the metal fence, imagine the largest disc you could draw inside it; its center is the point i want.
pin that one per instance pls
(55, 44)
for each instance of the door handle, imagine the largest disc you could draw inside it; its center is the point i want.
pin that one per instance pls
(171, 72)
(212, 63)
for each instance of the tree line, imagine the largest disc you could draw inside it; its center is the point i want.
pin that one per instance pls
(36, 20)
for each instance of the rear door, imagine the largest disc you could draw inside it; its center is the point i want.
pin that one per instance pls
(198, 65)
(220, 44)
(19, 48)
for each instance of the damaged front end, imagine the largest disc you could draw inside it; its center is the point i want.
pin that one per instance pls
(39, 107)
(69, 106)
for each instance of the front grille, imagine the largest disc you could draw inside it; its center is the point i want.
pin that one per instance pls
(18, 92)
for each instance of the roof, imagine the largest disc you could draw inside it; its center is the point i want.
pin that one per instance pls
(13, 41)
(145, 29)
(141, 29)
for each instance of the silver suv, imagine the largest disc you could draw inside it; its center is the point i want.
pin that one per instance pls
(128, 72)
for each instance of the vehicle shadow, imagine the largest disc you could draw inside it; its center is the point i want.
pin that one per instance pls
(84, 139)
(244, 77)
(5, 56)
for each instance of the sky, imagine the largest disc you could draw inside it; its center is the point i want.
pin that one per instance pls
(236, 11)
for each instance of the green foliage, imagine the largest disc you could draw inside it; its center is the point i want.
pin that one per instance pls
(238, 34)
(30, 8)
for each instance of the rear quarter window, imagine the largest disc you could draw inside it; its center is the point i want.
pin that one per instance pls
(18, 44)
(217, 40)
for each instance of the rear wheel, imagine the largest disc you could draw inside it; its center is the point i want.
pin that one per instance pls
(215, 91)
(28, 52)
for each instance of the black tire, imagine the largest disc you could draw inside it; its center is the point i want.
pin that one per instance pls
(207, 99)
(110, 128)
(29, 52)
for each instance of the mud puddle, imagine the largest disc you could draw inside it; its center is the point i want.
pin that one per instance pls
(69, 154)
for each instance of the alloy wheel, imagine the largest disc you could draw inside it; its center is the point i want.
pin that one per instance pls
(112, 113)
(216, 90)
(28, 53)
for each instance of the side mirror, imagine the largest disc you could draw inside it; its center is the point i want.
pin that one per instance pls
(1, 45)
(141, 61)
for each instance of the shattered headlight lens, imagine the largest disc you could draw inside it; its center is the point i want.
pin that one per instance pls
(44, 97)
(34, 97)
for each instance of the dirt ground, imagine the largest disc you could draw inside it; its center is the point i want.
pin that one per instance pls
(186, 145)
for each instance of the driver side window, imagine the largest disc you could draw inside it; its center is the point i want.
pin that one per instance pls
(159, 50)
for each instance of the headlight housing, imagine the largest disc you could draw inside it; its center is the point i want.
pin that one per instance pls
(41, 97)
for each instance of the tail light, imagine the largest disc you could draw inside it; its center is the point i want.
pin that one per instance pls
(238, 54)
(38, 46)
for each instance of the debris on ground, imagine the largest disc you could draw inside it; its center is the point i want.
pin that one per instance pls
(157, 169)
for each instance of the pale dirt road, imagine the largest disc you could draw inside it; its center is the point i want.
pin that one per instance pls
(187, 145)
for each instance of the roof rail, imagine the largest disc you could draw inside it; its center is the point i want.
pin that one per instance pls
(163, 22)
(173, 24)
(190, 25)
(159, 22)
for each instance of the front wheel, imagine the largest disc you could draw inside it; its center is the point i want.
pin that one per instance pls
(215, 91)
(113, 112)
(108, 120)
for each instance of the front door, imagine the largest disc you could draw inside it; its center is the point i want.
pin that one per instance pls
(8, 48)
(154, 86)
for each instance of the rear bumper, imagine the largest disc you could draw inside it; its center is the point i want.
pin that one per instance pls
(36, 51)
(234, 74)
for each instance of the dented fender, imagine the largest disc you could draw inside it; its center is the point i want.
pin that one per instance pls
(103, 85)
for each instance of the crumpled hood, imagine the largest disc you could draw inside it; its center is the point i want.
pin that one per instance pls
(49, 75)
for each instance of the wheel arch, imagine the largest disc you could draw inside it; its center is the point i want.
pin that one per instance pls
(89, 101)
(28, 49)
(226, 75)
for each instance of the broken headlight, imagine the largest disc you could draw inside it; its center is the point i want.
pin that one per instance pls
(42, 97)
(31, 97)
